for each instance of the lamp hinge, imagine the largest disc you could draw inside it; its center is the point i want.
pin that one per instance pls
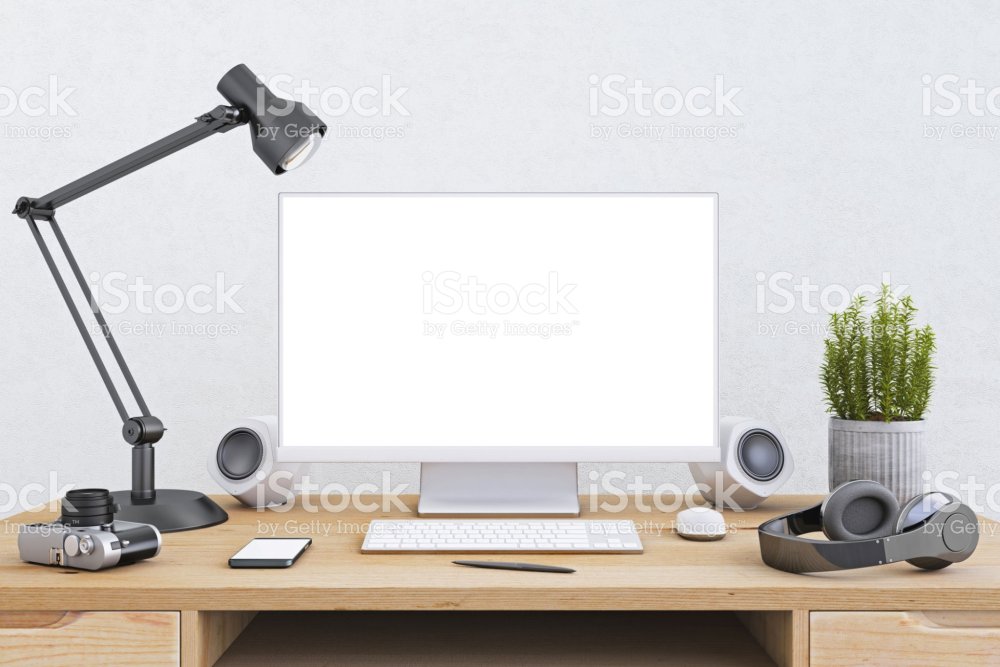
(26, 206)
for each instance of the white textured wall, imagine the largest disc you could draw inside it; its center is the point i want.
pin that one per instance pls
(830, 177)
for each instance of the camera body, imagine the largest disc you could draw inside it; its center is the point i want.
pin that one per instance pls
(92, 548)
(87, 537)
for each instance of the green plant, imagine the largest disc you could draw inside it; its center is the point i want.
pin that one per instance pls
(879, 366)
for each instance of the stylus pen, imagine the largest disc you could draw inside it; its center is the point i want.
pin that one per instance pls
(526, 567)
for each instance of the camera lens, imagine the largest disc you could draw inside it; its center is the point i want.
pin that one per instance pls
(82, 508)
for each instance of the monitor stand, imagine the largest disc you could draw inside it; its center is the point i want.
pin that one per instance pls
(498, 489)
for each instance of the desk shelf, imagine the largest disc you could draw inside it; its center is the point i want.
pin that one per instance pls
(467, 639)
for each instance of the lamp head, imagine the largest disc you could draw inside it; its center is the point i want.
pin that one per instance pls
(284, 133)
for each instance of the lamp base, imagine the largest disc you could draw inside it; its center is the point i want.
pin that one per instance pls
(172, 510)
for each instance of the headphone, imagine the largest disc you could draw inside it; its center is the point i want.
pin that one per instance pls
(865, 527)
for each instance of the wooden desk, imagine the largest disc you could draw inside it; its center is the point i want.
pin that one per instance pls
(187, 605)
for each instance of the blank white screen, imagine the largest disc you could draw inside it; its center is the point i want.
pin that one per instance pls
(604, 311)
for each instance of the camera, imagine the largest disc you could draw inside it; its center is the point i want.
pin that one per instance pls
(86, 536)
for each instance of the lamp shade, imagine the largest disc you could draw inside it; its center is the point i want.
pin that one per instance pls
(284, 133)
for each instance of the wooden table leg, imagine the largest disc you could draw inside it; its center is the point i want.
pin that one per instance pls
(783, 634)
(205, 635)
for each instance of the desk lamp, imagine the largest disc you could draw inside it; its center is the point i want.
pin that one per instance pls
(284, 135)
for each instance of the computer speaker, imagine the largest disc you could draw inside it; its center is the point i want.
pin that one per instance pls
(755, 461)
(245, 463)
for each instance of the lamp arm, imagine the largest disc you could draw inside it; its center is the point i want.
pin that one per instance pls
(145, 429)
(220, 119)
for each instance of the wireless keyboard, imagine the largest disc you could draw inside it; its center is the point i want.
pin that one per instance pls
(501, 536)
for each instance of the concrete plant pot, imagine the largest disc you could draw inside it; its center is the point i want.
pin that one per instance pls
(891, 454)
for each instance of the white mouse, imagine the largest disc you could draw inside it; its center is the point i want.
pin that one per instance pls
(701, 523)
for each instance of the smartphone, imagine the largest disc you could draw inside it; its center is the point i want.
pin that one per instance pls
(270, 552)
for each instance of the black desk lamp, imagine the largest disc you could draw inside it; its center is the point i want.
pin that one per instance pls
(284, 134)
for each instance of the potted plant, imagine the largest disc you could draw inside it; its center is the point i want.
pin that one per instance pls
(878, 374)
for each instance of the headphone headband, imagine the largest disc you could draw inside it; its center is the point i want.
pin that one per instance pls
(783, 549)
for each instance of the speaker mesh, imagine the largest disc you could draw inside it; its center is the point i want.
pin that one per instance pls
(240, 454)
(760, 455)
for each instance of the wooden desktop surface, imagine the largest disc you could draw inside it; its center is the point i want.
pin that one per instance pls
(191, 573)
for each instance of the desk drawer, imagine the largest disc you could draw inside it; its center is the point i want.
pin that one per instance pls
(89, 638)
(908, 638)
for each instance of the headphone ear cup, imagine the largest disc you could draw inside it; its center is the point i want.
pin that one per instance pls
(860, 510)
(921, 508)
(929, 563)
(915, 512)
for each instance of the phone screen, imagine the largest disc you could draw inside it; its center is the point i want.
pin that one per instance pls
(270, 552)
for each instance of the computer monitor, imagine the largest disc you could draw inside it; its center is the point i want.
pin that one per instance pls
(498, 339)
